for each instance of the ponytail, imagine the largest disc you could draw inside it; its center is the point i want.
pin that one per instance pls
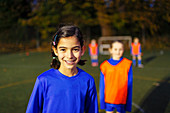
(82, 62)
(55, 63)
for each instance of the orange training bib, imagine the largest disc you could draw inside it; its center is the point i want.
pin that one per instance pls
(116, 81)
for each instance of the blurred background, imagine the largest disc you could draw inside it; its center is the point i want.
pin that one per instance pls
(30, 24)
(27, 27)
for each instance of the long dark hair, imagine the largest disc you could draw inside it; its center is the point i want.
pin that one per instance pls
(65, 31)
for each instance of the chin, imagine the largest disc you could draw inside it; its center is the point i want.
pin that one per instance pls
(70, 67)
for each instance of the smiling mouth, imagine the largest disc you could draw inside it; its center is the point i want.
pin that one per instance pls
(70, 62)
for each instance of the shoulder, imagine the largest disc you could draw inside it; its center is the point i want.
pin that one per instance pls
(46, 74)
(139, 44)
(127, 60)
(85, 75)
(104, 64)
(86, 79)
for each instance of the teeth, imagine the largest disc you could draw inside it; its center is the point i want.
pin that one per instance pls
(70, 62)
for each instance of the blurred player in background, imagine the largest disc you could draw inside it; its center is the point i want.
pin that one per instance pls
(93, 52)
(136, 52)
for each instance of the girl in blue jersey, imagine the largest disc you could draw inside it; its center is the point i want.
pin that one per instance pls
(65, 88)
(116, 81)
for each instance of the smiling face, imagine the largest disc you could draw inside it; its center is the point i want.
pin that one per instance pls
(116, 50)
(69, 52)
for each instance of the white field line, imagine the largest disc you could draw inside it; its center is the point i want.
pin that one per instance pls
(138, 107)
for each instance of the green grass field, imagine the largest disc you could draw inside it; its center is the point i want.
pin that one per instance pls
(151, 90)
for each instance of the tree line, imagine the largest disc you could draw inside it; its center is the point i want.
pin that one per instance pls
(22, 21)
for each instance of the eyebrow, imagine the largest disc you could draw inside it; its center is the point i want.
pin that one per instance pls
(66, 47)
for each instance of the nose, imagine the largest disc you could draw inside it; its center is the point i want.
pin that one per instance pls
(70, 54)
(118, 52)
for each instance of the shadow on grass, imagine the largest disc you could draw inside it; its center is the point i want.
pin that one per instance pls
(158, 99)
(147, 60)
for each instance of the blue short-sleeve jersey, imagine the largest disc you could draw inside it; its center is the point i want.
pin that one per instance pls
(56, 93)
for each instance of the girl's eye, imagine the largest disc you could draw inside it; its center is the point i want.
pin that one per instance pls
(62, 50)
(76, 50)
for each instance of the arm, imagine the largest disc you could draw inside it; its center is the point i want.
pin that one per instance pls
(101, 91)
(140, 50)
(97, 50)
(89, 52)
(91, 105)
(130, 86)
(131, 50)
(36, 99)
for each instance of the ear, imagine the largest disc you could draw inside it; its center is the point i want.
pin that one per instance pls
(55, 50)
(83, 50)
(110, 50)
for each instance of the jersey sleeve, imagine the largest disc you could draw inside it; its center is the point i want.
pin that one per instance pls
(130, 86)
(36, 99)
(101, 91)
(91, 105)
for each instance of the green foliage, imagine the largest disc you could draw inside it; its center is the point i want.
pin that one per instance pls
(11, 11)
(135, 15)
(47, 15)
(21, 20)
(44, 17)
(13, 35)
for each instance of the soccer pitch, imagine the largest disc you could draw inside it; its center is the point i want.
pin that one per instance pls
(151, 86)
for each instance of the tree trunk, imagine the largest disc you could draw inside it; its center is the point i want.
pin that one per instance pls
(104, 20)
(88, 35)
(106, 30)
(143, 35)
(38, 39)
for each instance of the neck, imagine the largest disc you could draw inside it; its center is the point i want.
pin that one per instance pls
(116, 58)
(69, 72)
